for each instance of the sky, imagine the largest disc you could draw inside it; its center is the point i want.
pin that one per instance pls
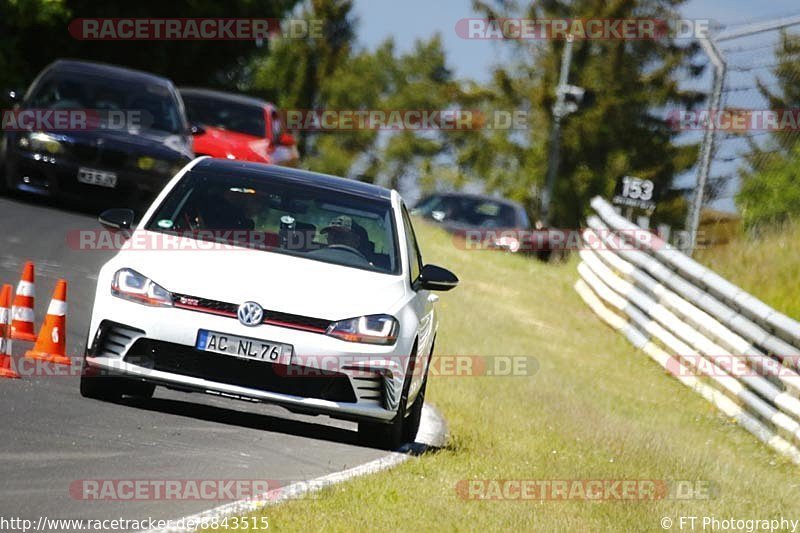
(408, 20)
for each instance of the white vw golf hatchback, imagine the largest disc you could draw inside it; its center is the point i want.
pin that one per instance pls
(271, 284)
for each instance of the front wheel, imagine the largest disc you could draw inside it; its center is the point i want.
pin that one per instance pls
(411, 424)
(383, 436)
(401, 430)
(7, 181)
(405, 425)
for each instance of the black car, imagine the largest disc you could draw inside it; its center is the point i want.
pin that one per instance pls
(472, 211)
(485, 222)
(134, 139)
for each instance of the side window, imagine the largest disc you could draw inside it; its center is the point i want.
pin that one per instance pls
(414, 257)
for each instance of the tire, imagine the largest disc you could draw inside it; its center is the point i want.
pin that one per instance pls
(383, 436)
(110, 389)
(411, 424)
(6, 180)
(404, 427)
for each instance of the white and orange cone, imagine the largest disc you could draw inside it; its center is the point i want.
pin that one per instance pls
(51, 345)
(6, 368)
(22, 315)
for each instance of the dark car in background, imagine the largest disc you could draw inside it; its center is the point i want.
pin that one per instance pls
(135, 137)
(234, 126)
(484, 221)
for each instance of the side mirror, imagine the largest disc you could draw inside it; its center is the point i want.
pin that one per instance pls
(117, 218)
(434, 278)
(196, 129)
(287, 139)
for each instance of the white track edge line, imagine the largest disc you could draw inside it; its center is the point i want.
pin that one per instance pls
(300, 488)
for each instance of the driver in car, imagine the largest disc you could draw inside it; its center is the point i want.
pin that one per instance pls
(340, 232)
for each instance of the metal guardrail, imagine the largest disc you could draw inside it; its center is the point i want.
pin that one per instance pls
(728, 346)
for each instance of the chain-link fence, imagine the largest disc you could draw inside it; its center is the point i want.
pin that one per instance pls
(750, 130)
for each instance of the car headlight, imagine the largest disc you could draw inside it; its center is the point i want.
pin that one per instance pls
(130, 285)
(372, 329)
(151, 164)
(41, 142)
(511, 244)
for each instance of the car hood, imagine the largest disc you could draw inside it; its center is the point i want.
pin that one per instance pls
(146, 142)
(276, 281)
(218, 142)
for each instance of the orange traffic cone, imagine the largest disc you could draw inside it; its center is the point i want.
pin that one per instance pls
(22, 316)
(51, 346)
(6, 370)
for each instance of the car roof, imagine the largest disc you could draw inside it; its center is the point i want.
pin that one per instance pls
(75, 66)
(478, 197)
(227, 97)
(292, 176)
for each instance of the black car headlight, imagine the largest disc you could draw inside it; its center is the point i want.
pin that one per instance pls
(153, 164)
(40, 141)
(130, 285)
(372, 329)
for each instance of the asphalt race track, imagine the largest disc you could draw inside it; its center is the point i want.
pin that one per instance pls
(51, 437)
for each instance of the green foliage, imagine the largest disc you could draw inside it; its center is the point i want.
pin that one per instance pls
(771, 195)
(770, 192)
(23, 48)
(33, 33)
(331, 74)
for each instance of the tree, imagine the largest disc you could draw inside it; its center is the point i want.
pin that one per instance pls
(621, 133)
(770, 191)
(33, 33)
(293, 74)
(330, 74)
(420, 80)
(23, 51)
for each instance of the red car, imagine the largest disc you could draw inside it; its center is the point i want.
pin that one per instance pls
(232, 126)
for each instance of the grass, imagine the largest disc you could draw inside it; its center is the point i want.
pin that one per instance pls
(766, 267)
(595, 409)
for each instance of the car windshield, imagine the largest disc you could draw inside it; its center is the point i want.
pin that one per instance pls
(241, 118)
(142, 105)
(467, 210)
(273, 216)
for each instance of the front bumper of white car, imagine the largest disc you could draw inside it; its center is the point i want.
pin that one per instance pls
(326, 375)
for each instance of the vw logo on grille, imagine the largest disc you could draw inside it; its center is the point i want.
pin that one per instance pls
(250, 314)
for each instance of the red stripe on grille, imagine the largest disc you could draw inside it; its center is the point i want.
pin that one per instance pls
(205, 310)
(268, 321)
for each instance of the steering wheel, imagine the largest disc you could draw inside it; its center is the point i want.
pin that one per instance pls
(346, 248)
